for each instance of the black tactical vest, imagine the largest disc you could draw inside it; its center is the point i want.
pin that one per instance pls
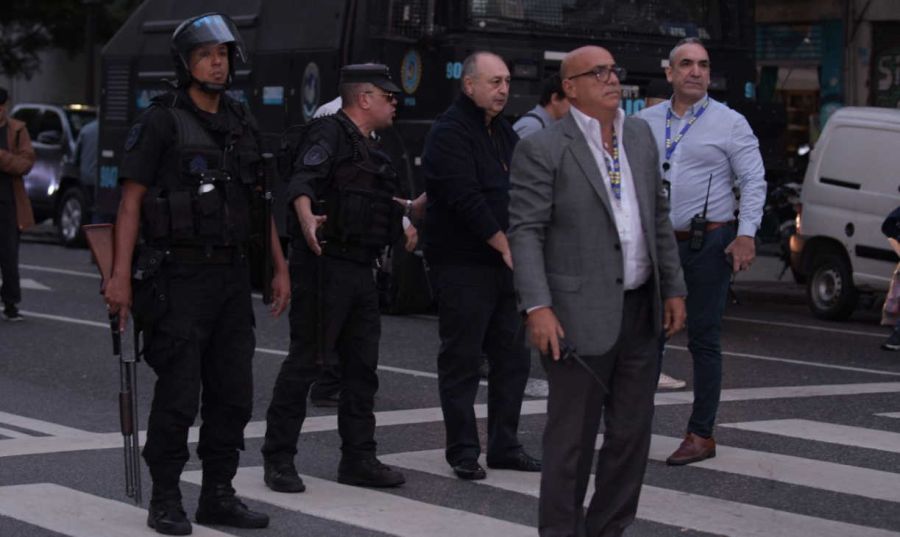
(362, 216)
(206, 202)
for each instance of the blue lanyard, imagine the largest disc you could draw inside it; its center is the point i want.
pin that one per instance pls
(614, 168)
(671, 143)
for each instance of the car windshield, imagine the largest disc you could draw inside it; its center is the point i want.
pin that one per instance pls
(78, 119)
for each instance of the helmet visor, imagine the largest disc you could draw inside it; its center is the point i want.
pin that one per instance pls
(208, 29)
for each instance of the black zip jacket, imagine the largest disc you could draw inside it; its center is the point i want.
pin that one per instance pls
(466, 166)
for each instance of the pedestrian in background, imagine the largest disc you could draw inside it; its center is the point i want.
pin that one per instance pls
(596, 266)
(551, 106)
(466, 165)
(16, 159)
(706, 148)
(890, 313)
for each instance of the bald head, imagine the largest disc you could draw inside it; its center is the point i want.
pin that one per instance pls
(590, 81)
(580, 60)
(485, 80)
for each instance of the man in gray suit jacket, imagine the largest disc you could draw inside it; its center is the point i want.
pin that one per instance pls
(595, 263)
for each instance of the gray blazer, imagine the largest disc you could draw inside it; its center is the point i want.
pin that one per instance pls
(563, 237)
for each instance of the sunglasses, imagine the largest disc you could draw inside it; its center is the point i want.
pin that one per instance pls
(388, 96)
(603, 72)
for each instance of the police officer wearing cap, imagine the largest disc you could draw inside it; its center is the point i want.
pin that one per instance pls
(340, 195)
(190, 171)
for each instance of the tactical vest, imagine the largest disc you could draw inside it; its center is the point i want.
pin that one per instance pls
(206, 202)
(363, 218)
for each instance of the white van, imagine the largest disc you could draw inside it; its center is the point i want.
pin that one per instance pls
(851, 184)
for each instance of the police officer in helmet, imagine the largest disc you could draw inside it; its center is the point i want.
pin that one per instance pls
(190, 173)
(340, 195)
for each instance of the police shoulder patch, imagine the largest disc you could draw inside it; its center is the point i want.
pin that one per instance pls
(316, 154)
(133, 136)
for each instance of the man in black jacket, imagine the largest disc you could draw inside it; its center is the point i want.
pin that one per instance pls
(466, 162)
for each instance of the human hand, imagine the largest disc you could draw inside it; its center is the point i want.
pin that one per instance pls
(412, 238)
(310, 225)
(674, 315)
(544, 331)
(281, 292)
(117, 295)
(742, 250)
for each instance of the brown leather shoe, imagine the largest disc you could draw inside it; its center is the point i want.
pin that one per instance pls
(693, 449)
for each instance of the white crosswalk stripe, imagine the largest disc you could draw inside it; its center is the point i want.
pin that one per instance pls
(372, 509)
(675, 508)
(73, 513)
(831, 433)
(78, 514)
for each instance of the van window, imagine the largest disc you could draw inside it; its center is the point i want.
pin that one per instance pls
(865, 156)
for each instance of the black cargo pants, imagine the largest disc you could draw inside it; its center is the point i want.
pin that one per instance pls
(202, 353)
(352, 328)
(10, 291)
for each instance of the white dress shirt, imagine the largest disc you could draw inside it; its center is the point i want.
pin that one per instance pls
(636, 259)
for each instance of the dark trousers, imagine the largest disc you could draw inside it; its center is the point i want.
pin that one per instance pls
(10, 292)
(477, 316)
(201, 352)
(574, 408)
(352, 327)
(707, 273)
(327, 384)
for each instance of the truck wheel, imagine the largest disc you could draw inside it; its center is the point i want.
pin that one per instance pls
(830, 292)
(70, 216)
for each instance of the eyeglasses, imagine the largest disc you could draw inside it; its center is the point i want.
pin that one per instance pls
(603, 72)
(388, 96)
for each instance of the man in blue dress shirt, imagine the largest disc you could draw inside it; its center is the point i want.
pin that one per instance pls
(706, 150)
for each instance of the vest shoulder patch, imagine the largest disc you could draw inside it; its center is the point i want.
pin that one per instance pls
(316, 154)
(134, 134)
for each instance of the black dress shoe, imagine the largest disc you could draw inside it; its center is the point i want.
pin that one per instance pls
(469, 470)
(226, 510)
(282, 477)
(521, 461)
(168, 518)
(368, 472)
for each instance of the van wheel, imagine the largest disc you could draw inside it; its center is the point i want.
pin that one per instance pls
(830, 291)
(70, 216)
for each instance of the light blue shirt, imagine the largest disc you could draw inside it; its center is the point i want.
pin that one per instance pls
(720, 143)
(528, 124)
(86, 152)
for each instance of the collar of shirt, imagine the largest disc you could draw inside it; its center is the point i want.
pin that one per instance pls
(691, 110)
(626, 212)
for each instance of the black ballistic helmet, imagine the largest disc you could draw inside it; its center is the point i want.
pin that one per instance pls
(209, 28)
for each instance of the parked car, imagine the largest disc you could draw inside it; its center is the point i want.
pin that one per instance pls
(852, 183)
(54, 184)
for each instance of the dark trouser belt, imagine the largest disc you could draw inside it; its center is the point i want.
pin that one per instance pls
(685, 235)
(219, 255)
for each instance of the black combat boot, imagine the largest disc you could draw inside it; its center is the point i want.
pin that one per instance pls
(218, 505)
(282, 477)
(168, 518)
(368, 471)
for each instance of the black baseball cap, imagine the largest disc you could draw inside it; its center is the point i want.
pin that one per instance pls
(374, 73)
(4, 95)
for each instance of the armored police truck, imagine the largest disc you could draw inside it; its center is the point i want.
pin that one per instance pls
(297, 48)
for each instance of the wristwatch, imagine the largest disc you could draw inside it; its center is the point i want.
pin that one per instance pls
(408, 210)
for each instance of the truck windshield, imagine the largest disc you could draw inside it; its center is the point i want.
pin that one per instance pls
(671, 18)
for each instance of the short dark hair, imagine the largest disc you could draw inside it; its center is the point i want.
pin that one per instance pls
(683, 42)
(551, 86)
(4, 96)
(349, 91)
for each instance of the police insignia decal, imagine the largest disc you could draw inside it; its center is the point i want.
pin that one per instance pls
(315, 155)
(133, 136)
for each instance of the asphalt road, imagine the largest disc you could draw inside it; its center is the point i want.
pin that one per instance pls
(809, 430)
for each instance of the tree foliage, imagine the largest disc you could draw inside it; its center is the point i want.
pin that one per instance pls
(28, 27)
